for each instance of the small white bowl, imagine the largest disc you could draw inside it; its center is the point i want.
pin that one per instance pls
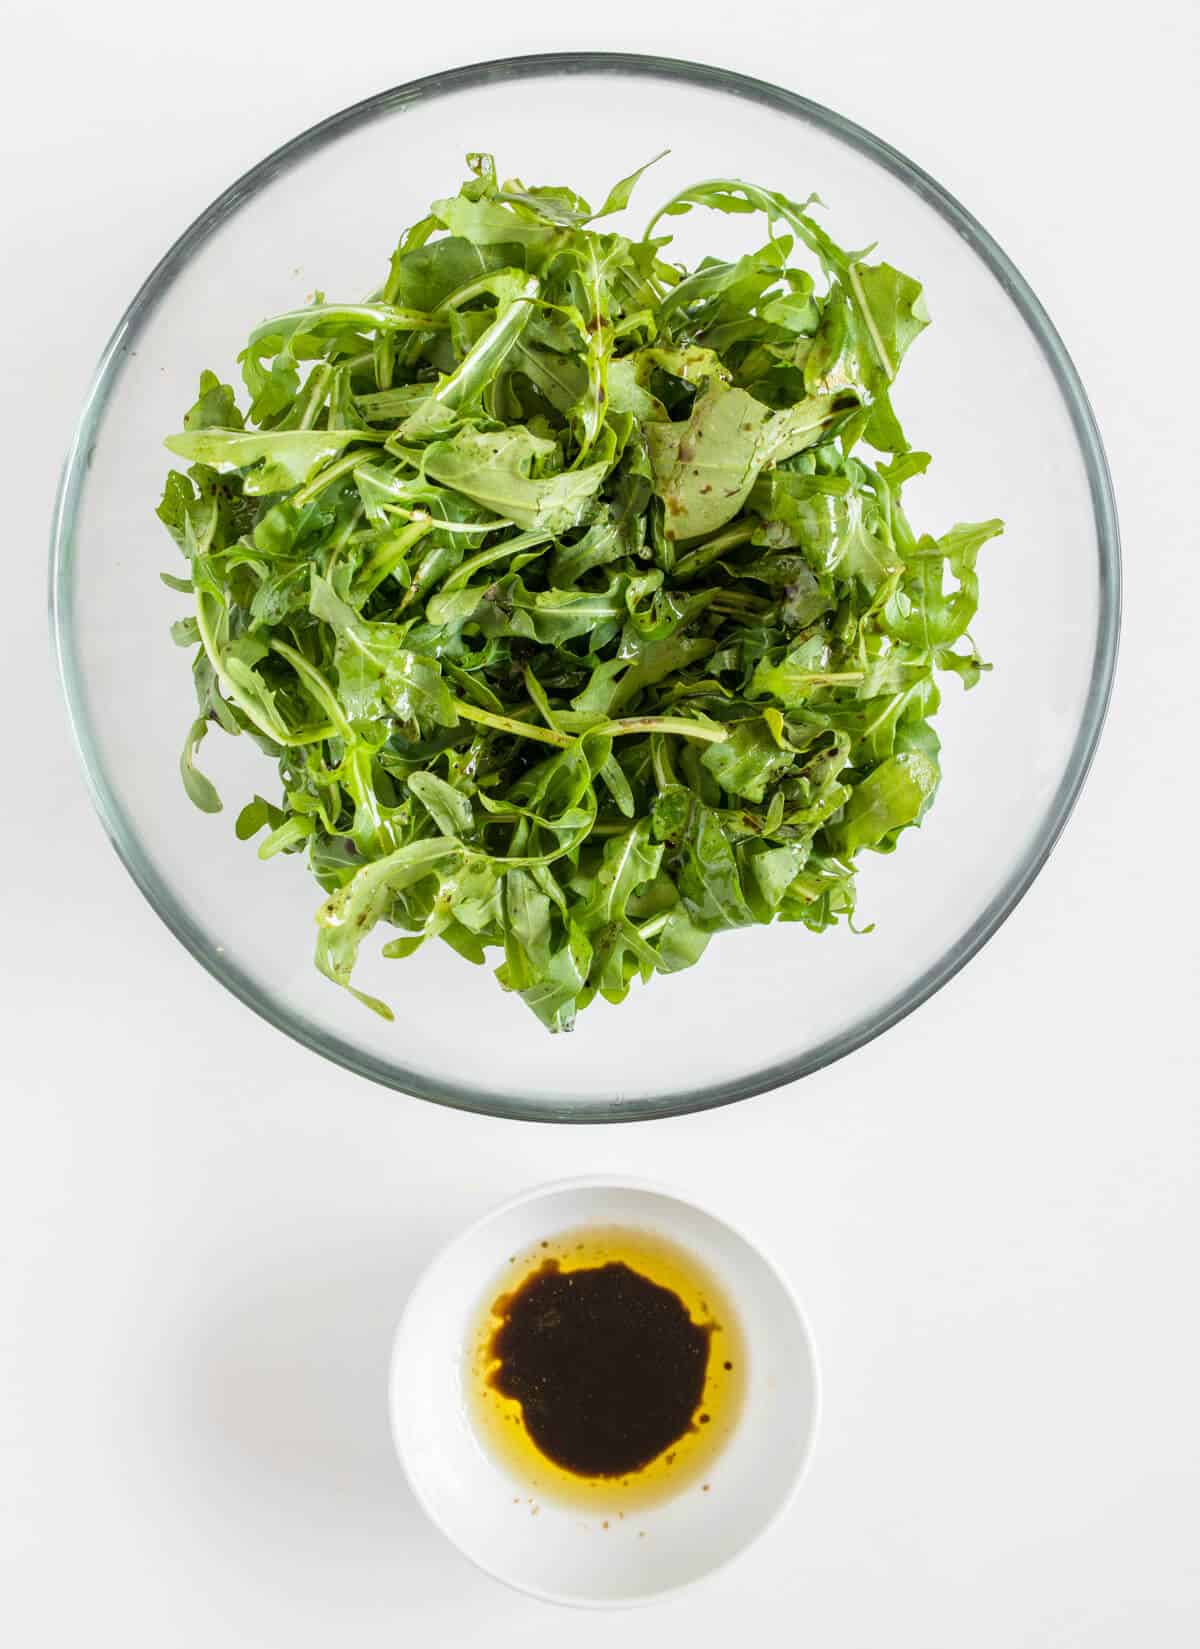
(559, 1553)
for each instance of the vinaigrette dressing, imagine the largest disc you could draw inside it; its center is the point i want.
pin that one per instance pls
(606, 1370)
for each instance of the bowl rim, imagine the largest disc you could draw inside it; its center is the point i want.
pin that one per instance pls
(729, 1225)
(671, 1102)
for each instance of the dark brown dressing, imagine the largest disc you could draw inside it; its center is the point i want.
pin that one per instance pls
(608, 1367)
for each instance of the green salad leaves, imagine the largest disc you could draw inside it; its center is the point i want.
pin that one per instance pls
(571, 591)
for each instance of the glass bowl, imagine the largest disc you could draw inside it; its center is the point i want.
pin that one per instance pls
(989, 390)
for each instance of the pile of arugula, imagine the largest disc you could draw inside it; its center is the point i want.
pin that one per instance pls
(556, 581)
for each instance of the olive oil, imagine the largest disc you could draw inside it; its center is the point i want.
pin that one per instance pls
(606, 1370)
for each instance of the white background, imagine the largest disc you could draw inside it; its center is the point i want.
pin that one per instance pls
(991, 1214)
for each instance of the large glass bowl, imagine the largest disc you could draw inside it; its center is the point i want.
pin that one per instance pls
(988, 389)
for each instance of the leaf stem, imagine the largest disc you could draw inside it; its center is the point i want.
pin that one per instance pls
(273, 730)
(331, 472)
(423, 515)
(710, 732)
(506, 724)
(480, 364)
(386, 557)
(364, 317)
(318, 688)
(860, 298)
(703, 554)
(312, 397)
(660, 760)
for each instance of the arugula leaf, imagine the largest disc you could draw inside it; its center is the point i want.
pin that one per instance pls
(424, 277)
(619, 195)
(448, 807)
(893, 310)
(348, 915)
(499, 470)
(704, 469)
(202, 791)
(214, 408)
(748, 761)
(629, 860)
(377, 675)
(555, 581)
(890, 797)
(274, 462)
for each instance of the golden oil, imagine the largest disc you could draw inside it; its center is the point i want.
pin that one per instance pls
(683, 1464)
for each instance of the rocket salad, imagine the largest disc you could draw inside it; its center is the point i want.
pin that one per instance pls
(571, 590)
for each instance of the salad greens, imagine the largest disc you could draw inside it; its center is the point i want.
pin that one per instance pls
(571, 590)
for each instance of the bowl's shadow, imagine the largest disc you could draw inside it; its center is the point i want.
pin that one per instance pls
(275, 1443)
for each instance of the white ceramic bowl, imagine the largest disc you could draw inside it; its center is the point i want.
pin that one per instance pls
(558, 1553)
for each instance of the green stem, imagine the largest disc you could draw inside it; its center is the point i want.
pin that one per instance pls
(518, 545)
(386, 557)
(331, 472)
(312, 397)
(318, 688)
(287, 834)
(602, 827)
(347, 533)
(490, 283)
(697, 559)
(660, 759)
(710, 732)
(480, 364)
(860, 298)
(732, 604)
(447, 526)
(367, 317)
(274, 730)
(506, 724)
(825, 678)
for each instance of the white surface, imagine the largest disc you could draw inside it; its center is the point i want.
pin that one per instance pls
(599, 1559)
(991, 1215)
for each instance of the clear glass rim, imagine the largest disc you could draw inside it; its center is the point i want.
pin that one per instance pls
(121, 831)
